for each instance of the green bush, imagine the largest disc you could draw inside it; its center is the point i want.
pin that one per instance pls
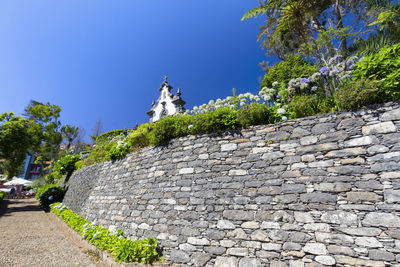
(122, 249)
(2, 194)
(293, 67)
(384, 67)
(108, 136)
(117, 150)
(168, 128)
(303, 106)
(140, 136)
(253, 114)
(357, 93)
(214, 121)
(49, 194)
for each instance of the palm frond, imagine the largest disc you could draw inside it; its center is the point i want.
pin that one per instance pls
(255, 12)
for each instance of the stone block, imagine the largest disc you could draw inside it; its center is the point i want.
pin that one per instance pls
(361, 141)
(339, 217)
(346, 260)
(392, 115)
(370, 242)
(356, 197)
(318, 198)
(380, 255)
(379, 128)
(228, 147)
(242, 252)
(225, 225)
(392, 196)
(381, 219)
(238, 215)
(308, 140)
(315, 248)
(325, 260)
(249, 262)
(226, 262)
(303, 217)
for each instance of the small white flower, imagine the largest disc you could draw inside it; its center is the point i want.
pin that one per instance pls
(284, 118)
(190, 126)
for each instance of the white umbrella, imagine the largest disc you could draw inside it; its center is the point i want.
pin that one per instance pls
(18, 181)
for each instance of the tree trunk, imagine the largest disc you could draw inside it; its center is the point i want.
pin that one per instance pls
(339, 18)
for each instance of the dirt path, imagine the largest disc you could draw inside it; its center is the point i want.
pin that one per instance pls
(29, 238)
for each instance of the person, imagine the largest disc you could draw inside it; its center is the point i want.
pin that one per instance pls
(12, 192)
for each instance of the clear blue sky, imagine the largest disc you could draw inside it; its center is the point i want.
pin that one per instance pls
(105, 60)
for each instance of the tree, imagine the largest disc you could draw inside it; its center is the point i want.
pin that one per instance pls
(97, 129)
(47, 116)
(70, 133)
(16, 136)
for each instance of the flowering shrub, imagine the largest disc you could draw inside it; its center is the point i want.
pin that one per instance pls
(49, 194)
(111, 240)
(284, 71)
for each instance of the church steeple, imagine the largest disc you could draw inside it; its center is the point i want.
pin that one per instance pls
(167, 103)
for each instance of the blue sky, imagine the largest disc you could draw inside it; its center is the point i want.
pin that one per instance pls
(105, 60)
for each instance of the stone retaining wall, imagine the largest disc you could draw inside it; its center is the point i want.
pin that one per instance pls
(317, 191)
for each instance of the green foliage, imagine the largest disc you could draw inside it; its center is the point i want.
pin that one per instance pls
(357, 93)
(70, 133)
(168, 128)
(122, 249)
(108, 136)
(66, 165)
(38, 183)
(109, 145)
(49, 194)
(117, 150)
(140, 136)
(2, 194)
(215, 121)
(253, 114)
(303, 106)
(293, 67)
(384, 67)
(16, 137)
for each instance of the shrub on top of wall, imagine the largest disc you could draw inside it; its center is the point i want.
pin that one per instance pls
(383, 67)
(357, 93)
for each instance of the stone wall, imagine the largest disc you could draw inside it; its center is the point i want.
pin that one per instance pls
(316, 191)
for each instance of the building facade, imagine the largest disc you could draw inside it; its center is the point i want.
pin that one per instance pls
(167, 104)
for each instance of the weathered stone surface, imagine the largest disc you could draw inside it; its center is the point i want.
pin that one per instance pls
(179, 256)
(339, 217)
(340, 250)
(329, 238)
(357, 261)
(371, 242)
(259, 235)
(360, 231)
(249, 262)
(325, 260)
(238, 215)
(200, 259)
(381, 255)
(308, 140)
(392, 196)
(242, 252)
(318, 197)
(198, 241)
(226, 262)
(392, 115)
(228, 147)
(357, 197)
(225, 225)
(315, 248)
(381, 219)
(379, 128)
(361, 141)
(303, 217)
(333, 187)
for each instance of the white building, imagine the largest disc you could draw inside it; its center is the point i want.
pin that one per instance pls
(167, 103)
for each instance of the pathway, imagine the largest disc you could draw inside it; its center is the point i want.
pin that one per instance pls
(29, 238)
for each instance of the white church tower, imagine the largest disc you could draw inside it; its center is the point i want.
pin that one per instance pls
(167, 103)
